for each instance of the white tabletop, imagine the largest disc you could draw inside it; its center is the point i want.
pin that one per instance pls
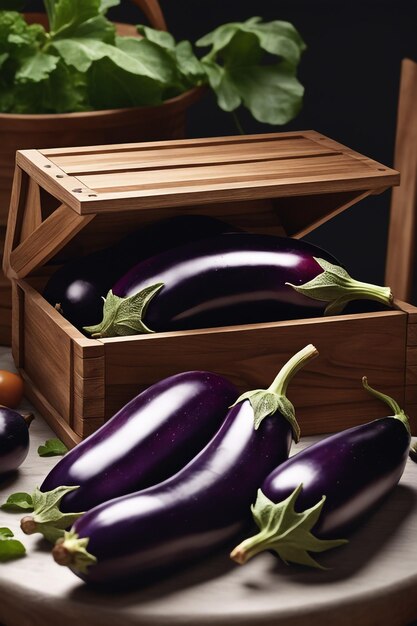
(372, 580)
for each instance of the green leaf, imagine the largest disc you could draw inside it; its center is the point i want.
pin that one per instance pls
(105, 5)
(272, 93)
(146, 58)
(110, 87)
(159, 37)
(52, 447)
(10, 548)
(228, 97)
(37, 67)
(3, 58)
(255, 64)
(285, 531)
(188, 64)
(67, 15)
(19, 501)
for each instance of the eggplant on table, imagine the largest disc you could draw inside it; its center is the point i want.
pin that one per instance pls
(77, 288)
(14, 438)
(148, 440)
(198, 509)
(232, 278)
(327, 489)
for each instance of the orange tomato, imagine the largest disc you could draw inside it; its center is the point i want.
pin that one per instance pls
(11, 389)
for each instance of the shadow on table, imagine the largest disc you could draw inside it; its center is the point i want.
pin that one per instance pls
(373, 536)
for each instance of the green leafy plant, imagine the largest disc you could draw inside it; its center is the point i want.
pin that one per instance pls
(81, 64)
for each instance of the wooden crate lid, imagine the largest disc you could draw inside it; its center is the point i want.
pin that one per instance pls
(304, 176)
(187, 172)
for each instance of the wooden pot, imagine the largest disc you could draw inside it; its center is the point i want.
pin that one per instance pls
(18, 132)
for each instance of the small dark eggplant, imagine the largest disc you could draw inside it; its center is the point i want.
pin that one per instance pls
(77, 289)
(14, 439)
(233, 278)
(198, 509)
(327, 489)
(148, 440)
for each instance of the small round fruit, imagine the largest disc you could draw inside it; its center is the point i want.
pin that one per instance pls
(14, 440)
(11, 389)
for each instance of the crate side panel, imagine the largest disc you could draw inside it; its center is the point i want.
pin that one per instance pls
(327, 394)
(47, 355)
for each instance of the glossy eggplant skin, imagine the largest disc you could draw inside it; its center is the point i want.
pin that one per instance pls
(78, 287)
(149, 439)
(193, 512)
(14, 440)
(354, 469)
(233, 278)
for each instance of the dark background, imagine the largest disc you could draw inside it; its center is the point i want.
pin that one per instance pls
(350, 71)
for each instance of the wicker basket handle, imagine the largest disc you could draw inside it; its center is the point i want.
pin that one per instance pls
(153, 12)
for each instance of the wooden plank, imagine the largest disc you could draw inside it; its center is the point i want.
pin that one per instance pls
(51, 415)
(232, 191)
(44, 242)
(328, 395)
(300, 216)
(45, 333)
(32, 216)
(199, 175)
(168, 158)
(18, 304)
(17, 204)
(400, 261)
(208, 142)
(88, 390)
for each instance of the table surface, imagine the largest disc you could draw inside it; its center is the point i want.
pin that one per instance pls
(370, 581)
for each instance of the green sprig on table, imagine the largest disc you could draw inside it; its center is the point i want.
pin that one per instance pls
(10, 548)
(52, 447)
(81, 64)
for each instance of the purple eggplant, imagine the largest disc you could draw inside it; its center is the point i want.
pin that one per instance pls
(77, 288)
(148, 440)
(327, 489)
(14, 439)
(198, 509)
(233, 278)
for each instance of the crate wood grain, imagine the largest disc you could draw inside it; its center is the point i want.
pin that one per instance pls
(68, 202)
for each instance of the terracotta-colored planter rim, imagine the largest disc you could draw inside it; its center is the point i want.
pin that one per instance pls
(179, 102)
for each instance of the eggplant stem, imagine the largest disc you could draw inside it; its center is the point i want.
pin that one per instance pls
(28, 417)
(286, 373)
(28, 525)
(270, 401)
(393, 405)
(336, 287)
(71, 550)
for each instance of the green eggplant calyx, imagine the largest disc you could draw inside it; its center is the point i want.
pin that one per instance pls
(399, 414)
(413, 452)
(47, 519)
(285, 531)
(335, 286)
(70, 550)
(266, 402)
(124, 316)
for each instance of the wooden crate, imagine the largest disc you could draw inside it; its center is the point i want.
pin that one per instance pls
(66, 202)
